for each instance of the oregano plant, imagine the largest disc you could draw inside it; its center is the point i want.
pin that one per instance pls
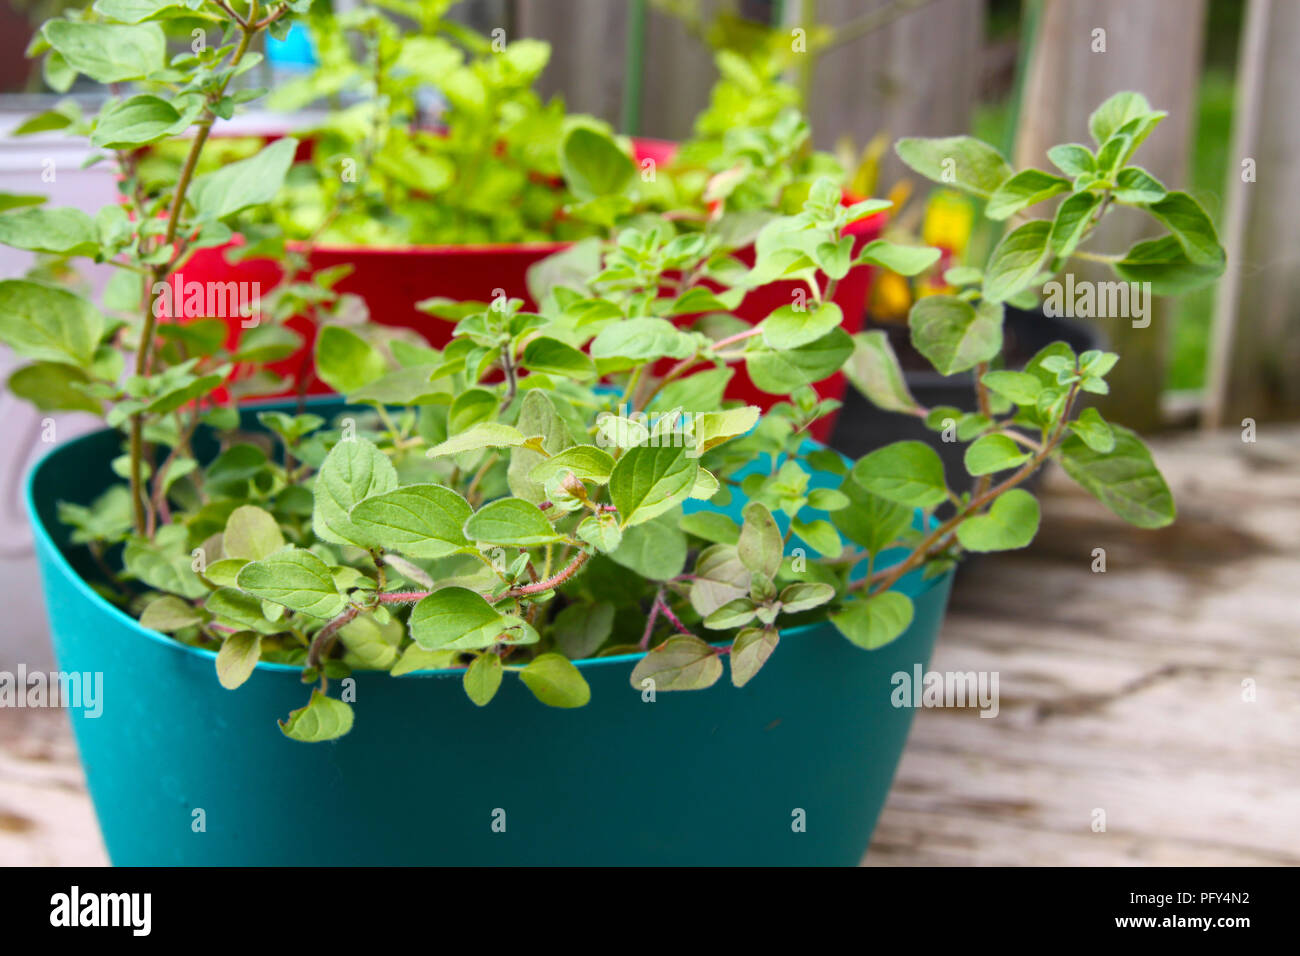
(565, 483)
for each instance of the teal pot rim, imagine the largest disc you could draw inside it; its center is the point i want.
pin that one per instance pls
(46, 543)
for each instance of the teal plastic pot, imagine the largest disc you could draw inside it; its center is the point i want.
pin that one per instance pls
(792, 769)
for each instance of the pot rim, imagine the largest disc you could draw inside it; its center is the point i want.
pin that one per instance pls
(42, 539)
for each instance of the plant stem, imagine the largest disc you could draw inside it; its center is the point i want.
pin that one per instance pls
(887, 578)
(144, 349)
(686, 364)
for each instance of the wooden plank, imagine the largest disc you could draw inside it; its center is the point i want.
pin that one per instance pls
(916, 76)
(1264, 351)
(1153, 47)
(586, 38)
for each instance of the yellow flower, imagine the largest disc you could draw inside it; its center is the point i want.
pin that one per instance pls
(949, 219)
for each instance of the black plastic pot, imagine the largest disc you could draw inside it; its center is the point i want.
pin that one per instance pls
(862, 427)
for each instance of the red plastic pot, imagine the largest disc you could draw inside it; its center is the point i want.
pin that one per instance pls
(391, 280)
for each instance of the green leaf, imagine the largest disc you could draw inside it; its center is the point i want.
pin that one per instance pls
(1026, 188)
(961, 161)
(413, 385)
(422, 521)
(711, 429)
(1135, 185)
(820, 535)
(1073, 217)
(875, 621)
(1072, 159)
(324, 718)
(511, 521)
(906, 472)
(555, 681)
(68, 232)
(370, 644)
(697, 392)
(416, 658)
(251, 534)
(593, 165)
(953, 334)
(870, 520)
(1019, 387)
(483, 678)
(537, 416)
(345, 361)
(108, 53)
(164, 564)
(169, 614)
(48, 324)
(642, 338)
(248, 182)
(874, 371)
(1125, 479)
(52, 387)
(780, 372)
(720, 577)
(601, 532)
(789, 327)
(1011, 522)
(455, 618)
(551, 356)
(580, 629)
(679, 663)
(905, 260)
(1019, 257)
(136, 122)
(352, 471)
(1190, 225)
(237, 657)
(471, 407)
(993, 453)
(295, 578)
(1094, 431)
(1114, 113)
(761, 546)
(750, 651)
(266, 343)
(134, 11)
(585, 461)
(649, 480)
(234, 609)
(1164, 263)
(655, 550)
(711, 526)
(477, 437)
(804, 596)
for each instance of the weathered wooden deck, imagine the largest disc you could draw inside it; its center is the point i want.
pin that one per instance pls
(1120, 691)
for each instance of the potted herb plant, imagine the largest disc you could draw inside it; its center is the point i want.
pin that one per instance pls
(471, 589)
(460, 205)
